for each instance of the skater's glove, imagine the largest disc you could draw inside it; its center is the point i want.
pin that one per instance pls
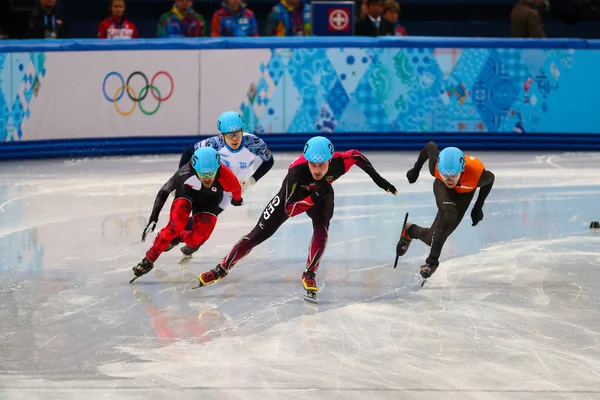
(391, 189)
(149, 228)
(385, 185)
(320, 193)
(237, 203)
(476, 214)
(412, 175)
(247, 184)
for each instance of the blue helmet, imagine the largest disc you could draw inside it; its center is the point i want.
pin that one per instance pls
(318, 149)
(229, 122)
(451, 161)
(206, 161)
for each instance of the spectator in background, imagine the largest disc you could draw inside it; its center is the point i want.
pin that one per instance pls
(391, 11)
(116, 26)
(525, 20)
(46, 23)
(373, 24)
(361, 8)
(5, 18)
(234, 19)
(289, 18)
(181, 21)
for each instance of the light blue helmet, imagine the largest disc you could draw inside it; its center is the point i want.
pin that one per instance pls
(206, 161)
(451, 161)
(318, 149)
(229, 122)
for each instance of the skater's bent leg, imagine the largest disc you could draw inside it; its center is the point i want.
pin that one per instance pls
(452, 207)
(180, 211)
(271, 219)
(204, 224)
(321, 215)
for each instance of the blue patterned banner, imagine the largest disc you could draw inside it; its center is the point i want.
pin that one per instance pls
(21, 75)
(424, 90)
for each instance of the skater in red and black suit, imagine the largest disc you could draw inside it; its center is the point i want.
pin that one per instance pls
(458, 176)
(306, 188)
(199, 187)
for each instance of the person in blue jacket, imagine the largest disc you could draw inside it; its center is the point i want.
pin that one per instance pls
(289, 18)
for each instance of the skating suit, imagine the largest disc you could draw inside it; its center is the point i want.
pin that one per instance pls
(240, 161)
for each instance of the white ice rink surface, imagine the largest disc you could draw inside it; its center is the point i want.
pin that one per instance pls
(513, 312)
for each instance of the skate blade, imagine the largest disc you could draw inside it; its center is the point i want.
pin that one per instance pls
(403, 225)
(423, 283)
(200, 285)
(311, 297)
(133, 280)
(185, 259)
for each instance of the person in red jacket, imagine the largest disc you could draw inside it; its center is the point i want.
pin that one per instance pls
(116, 26)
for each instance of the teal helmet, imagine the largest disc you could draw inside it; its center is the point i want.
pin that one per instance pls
(451, 161)
(318, 149)
(229, 122)
(206, 162)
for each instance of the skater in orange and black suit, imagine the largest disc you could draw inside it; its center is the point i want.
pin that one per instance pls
(458, 176)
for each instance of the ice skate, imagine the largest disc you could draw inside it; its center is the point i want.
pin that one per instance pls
(310, 285)
(173, 243)
(426, 271)
(210, 277)
(188, 253)
(141, 269)
(404, 242)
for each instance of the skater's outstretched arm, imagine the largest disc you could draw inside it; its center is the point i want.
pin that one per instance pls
(263, 169)
(230, 184)
(163, 194)
(352, 157)
(486, 181)
(258, 147)
(429, 153)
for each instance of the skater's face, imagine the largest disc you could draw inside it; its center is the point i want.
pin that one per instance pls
(183, 5)
(207, 182)
(318, 170)
(451, 181)
(233, 140)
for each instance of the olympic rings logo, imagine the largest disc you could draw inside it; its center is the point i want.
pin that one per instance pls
(138, 97)
(318, 158)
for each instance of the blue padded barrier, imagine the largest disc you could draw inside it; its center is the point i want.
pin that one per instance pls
(294, 142)
(8, 46)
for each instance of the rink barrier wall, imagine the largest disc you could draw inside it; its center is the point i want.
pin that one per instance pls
(492, 101)
(82, 148)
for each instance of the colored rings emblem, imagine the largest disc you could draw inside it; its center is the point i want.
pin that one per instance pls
(136, 97)
(318, 158)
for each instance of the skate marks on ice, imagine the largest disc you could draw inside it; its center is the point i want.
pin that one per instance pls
(509, 323)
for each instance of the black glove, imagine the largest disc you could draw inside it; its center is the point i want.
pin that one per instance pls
(385, 185)
(390, 188)
(320, 193)
(150, 227)
(237, 203)
(412, 175)
(476, 214)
